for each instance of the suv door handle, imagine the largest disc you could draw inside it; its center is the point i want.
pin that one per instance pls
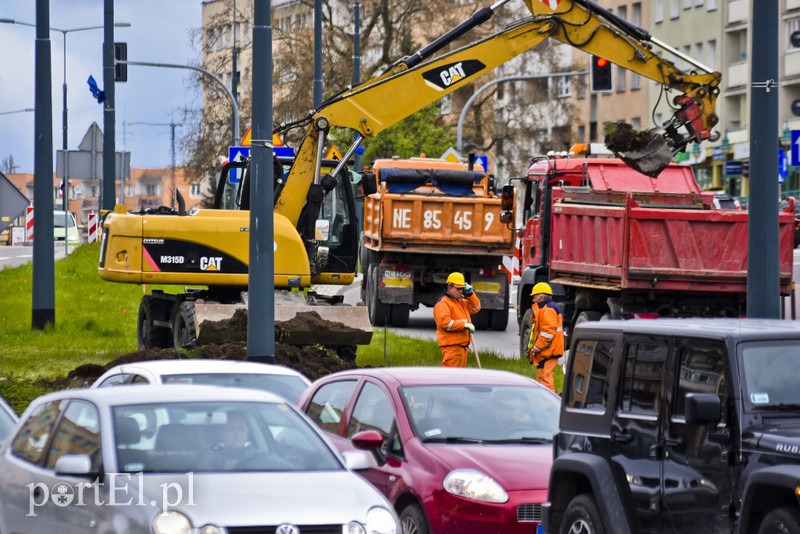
(672, 441)
(621, 437)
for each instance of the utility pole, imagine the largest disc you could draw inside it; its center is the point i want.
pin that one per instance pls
(234, 79)
(172, 126)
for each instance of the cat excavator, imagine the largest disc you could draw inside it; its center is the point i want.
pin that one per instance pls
(316, 237)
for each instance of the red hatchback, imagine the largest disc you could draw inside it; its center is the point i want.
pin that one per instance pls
(455, 450)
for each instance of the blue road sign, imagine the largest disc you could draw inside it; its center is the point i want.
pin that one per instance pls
(237, 153)
(783, 166)
(484, 161)
(733, 168)
(796, 148)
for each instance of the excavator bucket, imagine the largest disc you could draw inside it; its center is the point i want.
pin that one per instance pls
(644, 151)
(295, 324)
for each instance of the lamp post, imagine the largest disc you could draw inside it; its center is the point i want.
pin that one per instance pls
(64, 107)
(17, 111)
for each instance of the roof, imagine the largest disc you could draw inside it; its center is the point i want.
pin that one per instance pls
(162, 394)
(439, 375)
(750, 329)
(166, 367)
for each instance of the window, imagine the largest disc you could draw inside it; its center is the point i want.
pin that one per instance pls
(30, 442)
(701, 371)
(636, 123)
(636, 13)
(588, 386)
(636, 81)
(643, 376)
(327, 406)
(711, 5)
(622, 11)
(78, 432)
(580, 83)
(792, 25)
(711, 54)
(658, 11)
(621, 79)
(581, 134)
(373, 411)
(563, 87)
(151, 190)
(687, 4)
(674, 9)
(698, 3)
(117, 379)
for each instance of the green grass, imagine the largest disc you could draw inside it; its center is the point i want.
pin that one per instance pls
(95, 322)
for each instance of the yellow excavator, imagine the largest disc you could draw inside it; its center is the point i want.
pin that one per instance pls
(316, 233)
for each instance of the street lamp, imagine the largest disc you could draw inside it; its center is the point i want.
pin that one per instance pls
(64, 113)
(17, 111)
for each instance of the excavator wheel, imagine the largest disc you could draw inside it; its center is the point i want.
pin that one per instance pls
(184, 332)
(149, 335)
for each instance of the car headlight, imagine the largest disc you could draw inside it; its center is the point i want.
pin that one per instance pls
(172, 523)
(211, 529)
(472, 484)
(379, 521)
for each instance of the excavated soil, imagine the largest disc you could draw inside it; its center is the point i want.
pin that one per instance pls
(314, 361)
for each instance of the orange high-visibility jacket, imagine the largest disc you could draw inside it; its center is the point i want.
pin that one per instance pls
(547, 331)
(451, 315)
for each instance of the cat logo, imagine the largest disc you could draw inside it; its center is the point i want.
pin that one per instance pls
(451, 74)
(210, 264)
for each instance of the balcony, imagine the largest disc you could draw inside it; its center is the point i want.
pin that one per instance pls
(738, 11)
(791, 63)
(738, 75)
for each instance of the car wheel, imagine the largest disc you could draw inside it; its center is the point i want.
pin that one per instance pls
(412, 520)
(378, 311)
(582, 517)
(148, 335)
(781, 521)
(525, 334)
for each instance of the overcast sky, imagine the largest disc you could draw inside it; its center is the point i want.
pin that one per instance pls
(160, 32)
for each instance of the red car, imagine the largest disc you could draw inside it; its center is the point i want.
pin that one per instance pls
(455, 450)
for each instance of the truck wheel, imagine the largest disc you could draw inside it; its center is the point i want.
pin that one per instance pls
(183, 328)
(148, 335)
(399, 314)
(525, 334)
(378, 311)
(412, 520)
(498, 320)
(582, 517)
(481, 319)
(781, 521)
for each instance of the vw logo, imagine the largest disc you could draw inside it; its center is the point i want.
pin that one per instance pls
(286, 528)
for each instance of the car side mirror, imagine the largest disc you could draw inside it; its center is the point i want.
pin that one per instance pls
(702, 408)
(74, 465)
(370, 440)
(356, 460)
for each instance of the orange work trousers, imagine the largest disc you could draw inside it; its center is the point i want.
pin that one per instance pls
(545, 374)
(454, 356)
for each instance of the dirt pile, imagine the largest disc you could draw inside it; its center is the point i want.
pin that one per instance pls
(314, 361)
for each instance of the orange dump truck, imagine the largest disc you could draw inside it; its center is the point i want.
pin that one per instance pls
(428, 218)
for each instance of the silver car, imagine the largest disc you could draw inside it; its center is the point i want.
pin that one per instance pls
(7, 419)
(284, 381)
(180, 459)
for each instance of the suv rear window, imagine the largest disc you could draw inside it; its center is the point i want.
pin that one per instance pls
(588, 387)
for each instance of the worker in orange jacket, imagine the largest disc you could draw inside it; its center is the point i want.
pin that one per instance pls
(546, 344)
(453, 325)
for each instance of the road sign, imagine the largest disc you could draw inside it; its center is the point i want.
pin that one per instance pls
(783, 166)
(12, 202)
(237, 153)
(717, 154)
(451, 154)
(733, 168)
(796, 148)
(483, 161)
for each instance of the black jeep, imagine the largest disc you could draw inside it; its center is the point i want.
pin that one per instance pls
(679, 425)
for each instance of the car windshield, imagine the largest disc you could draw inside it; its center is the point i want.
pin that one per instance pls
(287, 386)
(770, 376)
(481, 413)
(217, 437)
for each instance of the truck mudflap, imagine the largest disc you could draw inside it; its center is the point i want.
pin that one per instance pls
(295, 324)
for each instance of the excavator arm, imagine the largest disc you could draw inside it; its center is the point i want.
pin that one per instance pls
(415, 82)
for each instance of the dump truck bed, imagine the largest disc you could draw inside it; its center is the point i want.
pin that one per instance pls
(652, 242)
(438, 210)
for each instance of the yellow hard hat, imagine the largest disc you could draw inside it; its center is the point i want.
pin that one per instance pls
(542, 287)
(457, 279)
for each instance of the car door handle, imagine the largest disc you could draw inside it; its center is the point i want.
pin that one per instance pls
(621, 437)
(672, 441)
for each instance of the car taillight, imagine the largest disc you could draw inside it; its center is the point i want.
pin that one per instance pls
(645, 316)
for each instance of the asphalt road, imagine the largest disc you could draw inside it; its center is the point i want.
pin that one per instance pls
(20, 255)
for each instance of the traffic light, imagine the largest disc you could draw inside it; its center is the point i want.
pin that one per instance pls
(601, 75)
(120, 69)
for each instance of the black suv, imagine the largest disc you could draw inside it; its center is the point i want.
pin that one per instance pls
(679, 425)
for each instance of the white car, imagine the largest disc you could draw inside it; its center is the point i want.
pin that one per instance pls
(65, 226)
(180, 459)
(7, 419)
(284, 381)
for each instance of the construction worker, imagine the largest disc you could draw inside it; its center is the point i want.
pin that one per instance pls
(453, 325)
(546, 344)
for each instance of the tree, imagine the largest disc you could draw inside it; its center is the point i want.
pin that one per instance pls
(424, 132)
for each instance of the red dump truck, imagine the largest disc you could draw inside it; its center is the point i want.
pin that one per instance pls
(614, 243)
(428, 218)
